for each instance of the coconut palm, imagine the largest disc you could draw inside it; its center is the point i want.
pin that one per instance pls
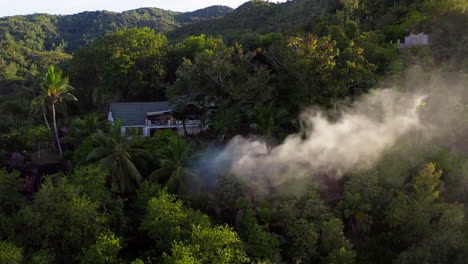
(114, 154)
(355, 210)
(54, 89)
(174, 171)
(83, 128)
(266, 119)
(39, 105)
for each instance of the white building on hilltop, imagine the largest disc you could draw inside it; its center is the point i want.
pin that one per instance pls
(421, 39)
(147, 118)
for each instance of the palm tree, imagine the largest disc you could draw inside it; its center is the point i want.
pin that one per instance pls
(54, 90)
(114, 154)
(39, 106)
(355, 210)
(174, 170)
(83, 128)
(266, 119)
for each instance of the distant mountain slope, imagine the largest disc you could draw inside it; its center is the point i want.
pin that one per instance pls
(45, 32)
(18, 63)
(260, 17)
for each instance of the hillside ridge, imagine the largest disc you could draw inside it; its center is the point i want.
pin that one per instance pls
(66, 33)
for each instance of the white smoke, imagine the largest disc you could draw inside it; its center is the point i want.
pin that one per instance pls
(357, 140)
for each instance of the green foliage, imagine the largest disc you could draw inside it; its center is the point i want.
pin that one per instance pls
(81, 153)
(11, 198)
(341, 256)
(43, 257)
(376, 51)
(225, 72)
(444, 7)
(426, 182)
(303, 241)
(258, 17)
(54, 89)
(13, 108)
(314, 208)
(193, 45)
(105, 250)
(267, 118)
(147, 191)
(174, 171)
(352, 29)
(311, 61)
(168, 220)
(95, 184)
(356, 211)
(227, 121)
(155, 143)
(395, 32)
(390, 213)
(20, 62)
(114, 153)
(219, 244)
(323, 69)
(259, 244)
(367, 184)
(332, 237)
(62, 219)
(349, 6)
(10, 254)
(58, 33)
(28, 138)
(425, 225)
(230, 189)
(125, 64)
(226, 77)
(257, 41)
(80, 129)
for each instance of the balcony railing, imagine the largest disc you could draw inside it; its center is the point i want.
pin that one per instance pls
(171, 123)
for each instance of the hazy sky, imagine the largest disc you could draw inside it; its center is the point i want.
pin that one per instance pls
(23, 7)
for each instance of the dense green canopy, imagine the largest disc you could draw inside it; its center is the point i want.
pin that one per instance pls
(75, 188)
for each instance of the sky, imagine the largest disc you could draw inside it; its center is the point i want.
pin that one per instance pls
(65, 7)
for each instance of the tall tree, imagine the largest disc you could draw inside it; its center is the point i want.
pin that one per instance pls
(356, 212)
(225, 77)
(423, 228)
(267, 118)
(174, 169)
(310, 60)
(55, 89)
(128, 64)
(114, 153)
(348, 7)
(62, 220)
(82, 128)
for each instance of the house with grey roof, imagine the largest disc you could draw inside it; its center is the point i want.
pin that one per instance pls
(147, 118)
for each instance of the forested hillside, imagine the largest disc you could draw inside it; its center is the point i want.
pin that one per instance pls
(260, 17)
(67, 33)
(322, 137)
(31, 43)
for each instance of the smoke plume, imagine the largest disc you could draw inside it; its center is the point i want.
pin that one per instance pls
(357, 140)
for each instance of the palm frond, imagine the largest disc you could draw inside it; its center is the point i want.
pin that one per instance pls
(132, 171)
(160, 174)
(97, 154)
(70, 140)
(175, 184)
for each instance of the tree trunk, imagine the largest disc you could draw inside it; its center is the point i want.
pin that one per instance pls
(55, 129)
(45, 119)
